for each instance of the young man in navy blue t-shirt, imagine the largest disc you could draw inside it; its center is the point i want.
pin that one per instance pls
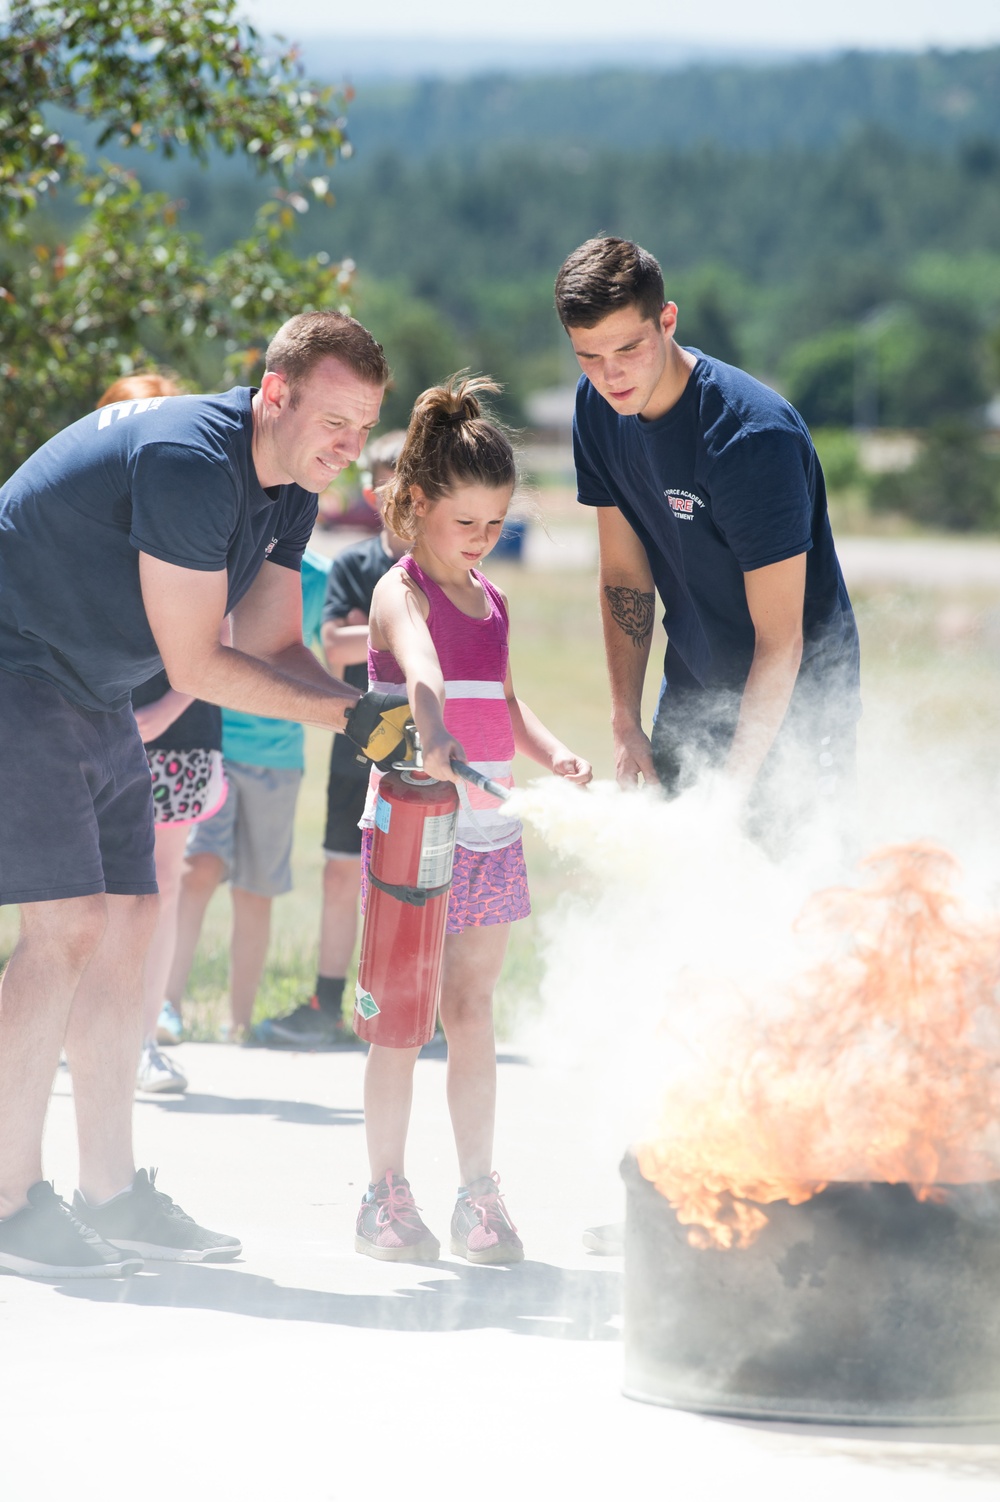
(710, 494)
(125, 541)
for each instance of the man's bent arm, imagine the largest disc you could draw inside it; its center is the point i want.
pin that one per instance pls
(627, 606)
(775, 598)
(267, 624)
(268, 671)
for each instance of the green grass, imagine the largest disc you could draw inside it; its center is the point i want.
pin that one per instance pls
(929, 658)
(932, 658)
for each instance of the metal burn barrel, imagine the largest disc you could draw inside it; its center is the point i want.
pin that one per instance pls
(863, 1305)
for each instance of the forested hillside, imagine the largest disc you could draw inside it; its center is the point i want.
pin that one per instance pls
(933, 97)
(834, 225)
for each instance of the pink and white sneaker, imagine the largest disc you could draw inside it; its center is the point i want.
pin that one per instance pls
(389, 1225)
(481, 1229)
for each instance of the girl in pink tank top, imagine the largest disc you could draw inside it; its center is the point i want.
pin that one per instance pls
(440, 628)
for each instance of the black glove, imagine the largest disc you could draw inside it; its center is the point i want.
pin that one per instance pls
(375, 723)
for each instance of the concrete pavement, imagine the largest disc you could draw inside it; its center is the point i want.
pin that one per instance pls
(306, 1372)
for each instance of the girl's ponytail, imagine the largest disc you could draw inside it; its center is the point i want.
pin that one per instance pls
(448, 442)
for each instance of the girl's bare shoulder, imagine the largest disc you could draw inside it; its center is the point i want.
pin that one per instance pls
(398, 590)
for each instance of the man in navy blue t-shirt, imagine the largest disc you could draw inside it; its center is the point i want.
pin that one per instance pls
(710, 493)
(125, 542)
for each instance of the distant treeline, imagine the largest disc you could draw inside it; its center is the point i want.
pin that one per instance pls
(936, 98)
(843, 221)
(833, 225)
(763, 251)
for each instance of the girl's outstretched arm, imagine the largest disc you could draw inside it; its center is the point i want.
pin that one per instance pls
(398, 622)
(533, 739)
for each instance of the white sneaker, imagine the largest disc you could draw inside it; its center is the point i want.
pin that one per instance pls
(608, 1241)
(157, 1072)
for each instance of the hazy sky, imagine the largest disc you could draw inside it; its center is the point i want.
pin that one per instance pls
(764, 23)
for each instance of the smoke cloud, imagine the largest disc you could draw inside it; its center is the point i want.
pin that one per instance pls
(678, 966)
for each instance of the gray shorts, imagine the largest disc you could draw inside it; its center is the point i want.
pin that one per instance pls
(252, 832)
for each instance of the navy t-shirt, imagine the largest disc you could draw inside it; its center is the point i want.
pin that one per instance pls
(725, 482)
(350, 585)
(169, 476)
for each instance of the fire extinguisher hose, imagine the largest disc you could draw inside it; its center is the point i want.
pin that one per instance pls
(469, 774)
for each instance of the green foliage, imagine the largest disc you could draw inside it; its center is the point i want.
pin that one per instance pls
(819, 377)
(969, 280)
(129, 290)
(763, 254)
(907, 364)
(832, 225)
(839, 456)
(850, 218)
(509, 330)
(424, 346)
(712, 300)
(152, 74)
(954, 484)
(937, 98)
(127, 287)
(929, 365)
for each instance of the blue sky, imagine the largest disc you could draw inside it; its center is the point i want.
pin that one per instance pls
(777, 24)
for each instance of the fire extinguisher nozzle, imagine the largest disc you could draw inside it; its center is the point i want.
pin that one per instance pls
(469, 774)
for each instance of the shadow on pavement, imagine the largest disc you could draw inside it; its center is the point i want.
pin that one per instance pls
(533, 1298)
(304, 1112)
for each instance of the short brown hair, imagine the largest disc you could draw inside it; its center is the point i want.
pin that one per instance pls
(307, 338)
(604, 275)
(450, 441)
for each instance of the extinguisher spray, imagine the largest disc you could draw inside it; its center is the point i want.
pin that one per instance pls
(409, 877)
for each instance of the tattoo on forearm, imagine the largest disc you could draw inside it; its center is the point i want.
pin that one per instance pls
(632, 610)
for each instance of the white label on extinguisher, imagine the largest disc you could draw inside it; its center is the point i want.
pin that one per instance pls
(437, 850)
(365, 1002)
(383, 809)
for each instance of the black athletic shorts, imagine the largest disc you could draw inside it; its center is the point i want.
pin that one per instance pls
(345, 798)
(77, 802)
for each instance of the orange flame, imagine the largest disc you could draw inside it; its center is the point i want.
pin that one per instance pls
(883, 1064)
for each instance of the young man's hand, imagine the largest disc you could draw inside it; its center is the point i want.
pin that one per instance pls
(633, 758)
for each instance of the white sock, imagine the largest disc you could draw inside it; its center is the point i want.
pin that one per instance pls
(100, 1204)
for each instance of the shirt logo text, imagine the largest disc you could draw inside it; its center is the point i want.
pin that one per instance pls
(127, 409)
(682, 503)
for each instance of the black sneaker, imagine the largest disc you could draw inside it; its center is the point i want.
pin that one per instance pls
(44, 1240)
(146, 1220)
(307, 1027)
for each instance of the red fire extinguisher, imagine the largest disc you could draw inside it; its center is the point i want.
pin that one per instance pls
(409, 877)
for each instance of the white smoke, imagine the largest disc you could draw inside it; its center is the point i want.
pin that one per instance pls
(662, 890)
(660, 887)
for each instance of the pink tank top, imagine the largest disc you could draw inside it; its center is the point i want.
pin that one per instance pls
(473, 658)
